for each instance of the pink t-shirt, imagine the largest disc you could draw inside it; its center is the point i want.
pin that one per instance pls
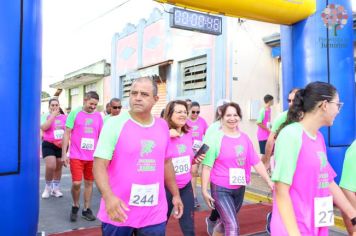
(137, 155)
(301, 162)
(235, 152)
(265, 119)
(198, 129)
(55, 132)
(181, 152)
(85, 134)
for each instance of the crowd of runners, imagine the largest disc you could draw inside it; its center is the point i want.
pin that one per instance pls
(145, 167)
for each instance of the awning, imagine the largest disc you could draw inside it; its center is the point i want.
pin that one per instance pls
(150, 70)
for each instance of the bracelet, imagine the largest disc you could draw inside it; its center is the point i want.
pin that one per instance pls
(353, 221)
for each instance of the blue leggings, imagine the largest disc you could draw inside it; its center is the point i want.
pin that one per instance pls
(186, 222)
(228, 203)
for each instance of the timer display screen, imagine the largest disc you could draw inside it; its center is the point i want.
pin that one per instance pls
(196, 21)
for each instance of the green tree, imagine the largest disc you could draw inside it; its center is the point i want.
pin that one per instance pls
(44, 94)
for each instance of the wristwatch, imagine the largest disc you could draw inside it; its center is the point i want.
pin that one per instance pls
(353, 221)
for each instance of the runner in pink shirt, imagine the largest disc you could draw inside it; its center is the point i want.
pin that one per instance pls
(227, 166)
(198, 128)
(304, 180)
(52, 126)
(180, 149)
(132, 168)
(83, 127)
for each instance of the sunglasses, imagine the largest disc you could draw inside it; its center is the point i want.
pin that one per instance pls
(196, 112)
(116, 107)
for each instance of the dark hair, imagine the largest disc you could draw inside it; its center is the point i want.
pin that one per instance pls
(52, 100)
(188, 100)
(195, 104)
(267, 98)
(114, 100)
(168, 113)
(162, 113)
(305, 101)
(231, 104)
(91, 95)
(61, 111)
(148, 78)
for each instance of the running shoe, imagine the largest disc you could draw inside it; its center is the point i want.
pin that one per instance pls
(268, 223)
(46, 192)
(56, 193)
(210, 226)
(74, 214)
(88, 215)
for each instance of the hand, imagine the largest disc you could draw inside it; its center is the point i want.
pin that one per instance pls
(55, 111)
(199, 158)
(208, 200)
(65, 160)
(270, 185)
(173, 133)
(177, 207)
(115, 208)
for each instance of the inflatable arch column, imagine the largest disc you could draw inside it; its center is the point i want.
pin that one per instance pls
(320, 48)
(20, 89)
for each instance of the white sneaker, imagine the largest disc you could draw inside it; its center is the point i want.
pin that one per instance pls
(46, 193)
(56, 193)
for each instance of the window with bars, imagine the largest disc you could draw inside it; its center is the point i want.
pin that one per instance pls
(125, 86)
(90, 87)
(74, 91)
(194, 75)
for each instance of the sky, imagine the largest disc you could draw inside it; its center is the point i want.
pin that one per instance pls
(77, 33)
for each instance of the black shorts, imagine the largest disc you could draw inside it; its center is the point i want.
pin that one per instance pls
(262, 146)
(49, 149)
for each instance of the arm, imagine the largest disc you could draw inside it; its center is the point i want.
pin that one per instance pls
(268, 151)
(262, 126)
(65, 143)
(285, 208)
(170, 182)
(204, 186)
(47, 124)
(115, 207)
(342, 202)
(261, 170)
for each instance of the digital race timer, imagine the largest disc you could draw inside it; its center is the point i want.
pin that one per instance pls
(196, 21)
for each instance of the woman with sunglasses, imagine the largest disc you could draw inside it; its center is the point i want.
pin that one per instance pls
(53, 126)
(227, 166)
(304, 180)
(181, 151)
(115, 108)
(198, 128)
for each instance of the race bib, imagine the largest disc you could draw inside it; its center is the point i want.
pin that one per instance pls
(197, 144)
(144, 195)
(58, 134)
(323, 211)
(181, 165)
(87, 144)
(237, 176)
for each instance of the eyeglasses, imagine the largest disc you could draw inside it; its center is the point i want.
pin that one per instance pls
(196, 112)
(338, 104)
(180, 112)
(116, 107)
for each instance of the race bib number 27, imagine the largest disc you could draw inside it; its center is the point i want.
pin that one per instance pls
(323, 211)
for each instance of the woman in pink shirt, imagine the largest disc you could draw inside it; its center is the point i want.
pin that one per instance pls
(305, 189)
(227, 166)
(53, 126)
(180, 150)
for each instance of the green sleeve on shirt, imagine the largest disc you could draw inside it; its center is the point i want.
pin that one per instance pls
(261, 115)
(213, 127)
(109, 136)
(213, 140)
(348, 177)
(106, 118)
(281, 118)
(44, 118)
(71, 117)
(288, 145)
